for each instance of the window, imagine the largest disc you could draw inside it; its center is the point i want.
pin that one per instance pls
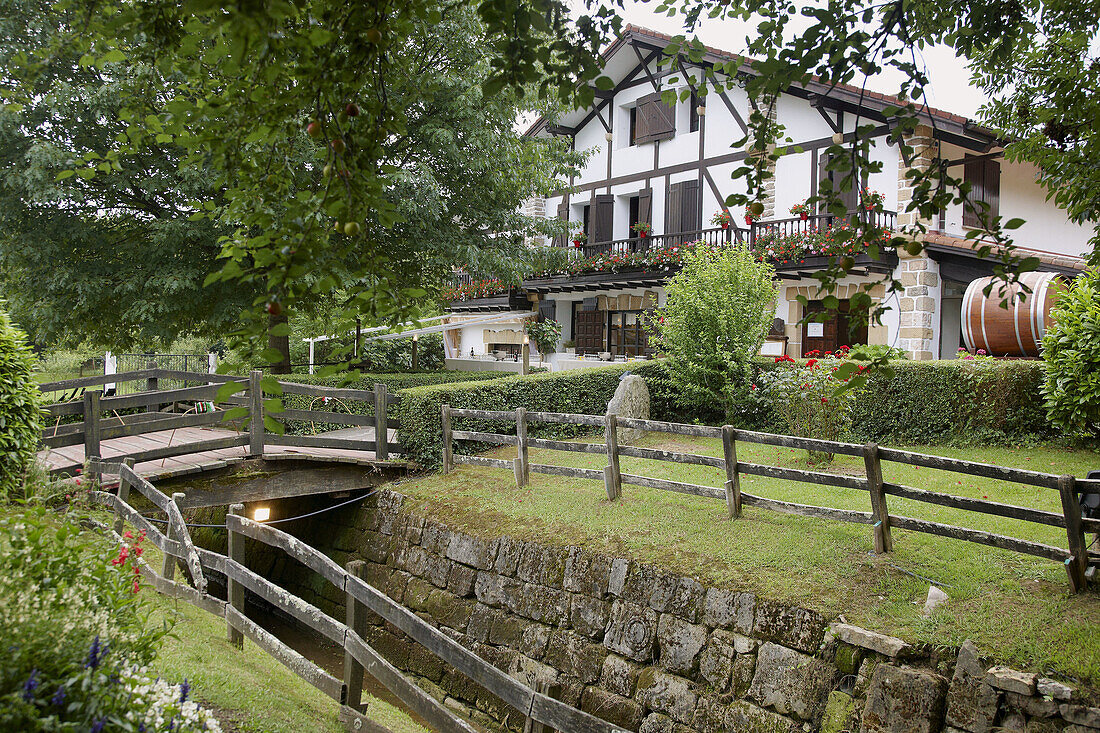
(633, 125)
(849, 197)
(693, 116)
(627, 333)
(652, 120)
(984, 177)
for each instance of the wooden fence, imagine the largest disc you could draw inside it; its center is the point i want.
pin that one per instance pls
(94, 418)
(881, 521)
(361, 599)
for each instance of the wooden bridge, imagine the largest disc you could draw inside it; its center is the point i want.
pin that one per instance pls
(223, 426)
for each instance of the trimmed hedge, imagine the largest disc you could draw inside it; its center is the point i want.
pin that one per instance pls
(949, 402)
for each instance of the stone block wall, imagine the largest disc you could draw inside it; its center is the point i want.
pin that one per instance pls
(655, 651)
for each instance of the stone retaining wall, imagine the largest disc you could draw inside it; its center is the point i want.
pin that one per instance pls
(658, 652)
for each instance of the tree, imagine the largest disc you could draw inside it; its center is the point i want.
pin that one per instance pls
(717, 312)
(1071, 350)
(20, 413)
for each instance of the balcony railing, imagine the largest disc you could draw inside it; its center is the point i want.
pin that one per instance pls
(816, 222)
(715, 236)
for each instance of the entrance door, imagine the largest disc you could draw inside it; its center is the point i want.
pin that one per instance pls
(833, 333)
(589, 331)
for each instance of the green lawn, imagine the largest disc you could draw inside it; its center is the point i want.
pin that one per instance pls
(1016, 607)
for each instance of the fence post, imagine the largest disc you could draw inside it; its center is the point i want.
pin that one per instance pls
(525, 367)
(550, 689)
(880, 532)
(448, 449)
(152, 384)
(169, 569)
(733, 479)
(356, 620)
(523, 459)
(91, 432)
(611, 479)
(1077, 562)
(123, 494)
(234, 591)
(255, 414)
(381, 439)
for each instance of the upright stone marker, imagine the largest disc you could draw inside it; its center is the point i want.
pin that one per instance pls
(631, 400)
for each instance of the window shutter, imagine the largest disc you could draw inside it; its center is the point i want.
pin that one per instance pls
(603, 218)
(993, 186)
(645, 205)
(641, 124)
(655, 119)
(691, 211)
(974, 174)
(563, 215)
(673, 209)
(849, 198)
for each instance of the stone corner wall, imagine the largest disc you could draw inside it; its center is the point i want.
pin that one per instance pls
(658, 652)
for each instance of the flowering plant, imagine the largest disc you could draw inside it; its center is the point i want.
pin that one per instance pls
(643, 228)
(872, 200)
(579, 238)
(802, 209)
(808, 398)
(837, 241)
(544, 333)
(749, 216)
(723, 219)
(475, 289)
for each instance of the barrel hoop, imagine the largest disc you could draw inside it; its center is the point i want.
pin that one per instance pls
(1041, 309)
(1016, 321)
(985, 338)
(968, 336)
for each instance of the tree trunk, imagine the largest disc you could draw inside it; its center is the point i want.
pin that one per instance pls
(282, 343)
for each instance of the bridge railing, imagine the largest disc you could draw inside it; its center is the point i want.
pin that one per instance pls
(1076, 559)
(364, 603)
(246, 405)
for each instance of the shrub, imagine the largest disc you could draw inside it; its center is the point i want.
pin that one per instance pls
(717, 313)
(544, 333)
(75, 636)
(871, 352)
(1071, 350)
(805, 397)
(20, 410)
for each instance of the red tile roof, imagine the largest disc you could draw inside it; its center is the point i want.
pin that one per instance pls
(970, 245)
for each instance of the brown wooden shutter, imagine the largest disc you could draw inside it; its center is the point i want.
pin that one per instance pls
(603, 218)
(645, 205)
(655, 119)
(641, 124)
(674, 209)
(562, 240)
(691, 209)
(993, 187)
(849, 198)
(974, 174)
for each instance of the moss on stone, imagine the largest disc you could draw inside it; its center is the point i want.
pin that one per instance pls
(839, 713)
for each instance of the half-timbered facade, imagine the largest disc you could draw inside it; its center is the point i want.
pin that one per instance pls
(670, 166)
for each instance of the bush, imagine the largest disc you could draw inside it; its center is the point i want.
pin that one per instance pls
(716, 316)
(20, 410)
(583, 391)
(75, 636)
(1071, 350)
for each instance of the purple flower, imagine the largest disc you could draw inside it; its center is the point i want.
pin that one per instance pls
(97, 726)
(58, 698)
(185, 688)
(981, 352)
(95, 654)
(30, 685)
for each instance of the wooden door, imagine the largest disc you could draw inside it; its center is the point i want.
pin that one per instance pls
(834, 332)
(588, 331)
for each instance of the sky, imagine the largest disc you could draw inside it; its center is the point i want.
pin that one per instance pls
(949, 89)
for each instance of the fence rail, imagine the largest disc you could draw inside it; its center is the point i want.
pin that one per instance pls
(1076, 559)
(205, 400)
(362, 600)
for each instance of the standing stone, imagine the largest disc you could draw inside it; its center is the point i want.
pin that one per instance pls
(971, 703)
(631, 399)
(904, 700)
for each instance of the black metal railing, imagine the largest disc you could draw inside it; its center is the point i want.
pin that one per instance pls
(817, 222)
(638, 244)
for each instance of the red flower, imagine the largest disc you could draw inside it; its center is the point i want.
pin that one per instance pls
(823, 400)
(811, 363)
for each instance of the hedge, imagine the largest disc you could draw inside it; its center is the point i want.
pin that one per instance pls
(395, 382)
(948, 402)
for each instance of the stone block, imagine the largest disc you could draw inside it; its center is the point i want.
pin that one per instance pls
(1080, 715)
(657, 723)
(1011, 680)
(744, 669)
(647, 585)
(716, 661)
(908, 279)
(545, 605)
(435, 538)
(971, 703)
(425, 664)
(710, 715)
(687, 600)
(903, 700)
(507, 558)
(531, 672)
(679, 644)
(917, 264)
(666, 693)
(481, 621)
(615, 709)
(917, 291)
(473, 551)
(632, 631)
(928, 278)
(1054, 689)
(448, 609)
(507, 630)
(1032, 705)
(576, 656)
(541, 565)
(926, 304)
(589, 616)
(492, 589)
(907, 304)
(631, 399)
(887, 646)
(461, 580)
(587, 572)
(619, 675)
(841, 713)
(616, 580)
(534, 640)
(798, 628)
(792, 683)
(848, 657)
(744, 717)
(726, 609)
(414, 529)
(375, 547)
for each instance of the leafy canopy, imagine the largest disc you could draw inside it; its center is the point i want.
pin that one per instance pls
(1071, 350)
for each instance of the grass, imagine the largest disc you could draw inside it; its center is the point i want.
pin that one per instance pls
(1015, 607)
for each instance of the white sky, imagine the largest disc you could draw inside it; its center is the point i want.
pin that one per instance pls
(949, 89)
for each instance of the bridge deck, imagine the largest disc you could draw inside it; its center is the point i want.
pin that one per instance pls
(69, 458)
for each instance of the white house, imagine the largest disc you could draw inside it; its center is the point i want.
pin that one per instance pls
(671, 166)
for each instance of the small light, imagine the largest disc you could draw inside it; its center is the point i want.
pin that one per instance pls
(608, 136)
(416, 337)
(701, 110)
(838, 138)
(526, 339)
(262, 514)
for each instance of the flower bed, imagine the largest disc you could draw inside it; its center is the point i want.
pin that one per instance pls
(476, 289)
(825, 242)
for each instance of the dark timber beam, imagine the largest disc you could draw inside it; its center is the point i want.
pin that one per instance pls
(561, 130)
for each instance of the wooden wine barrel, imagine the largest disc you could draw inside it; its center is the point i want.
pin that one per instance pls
(1013, 331)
